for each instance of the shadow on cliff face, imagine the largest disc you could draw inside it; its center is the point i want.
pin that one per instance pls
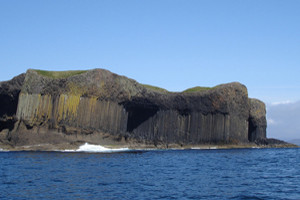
(9, 104)
(7, 124)
(8, 110)
(138, 111)
(251, 131)
(137, 115)
(9, 98)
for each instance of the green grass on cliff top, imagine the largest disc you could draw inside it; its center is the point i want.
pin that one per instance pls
(60, 74)
(158, 89)
(196, 89)
(66, 74)
(189, 90)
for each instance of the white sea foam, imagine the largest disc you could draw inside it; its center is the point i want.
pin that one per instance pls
(3, 150)
(203, 148)
(96, 148)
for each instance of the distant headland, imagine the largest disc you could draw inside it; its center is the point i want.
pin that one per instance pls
(49, 110)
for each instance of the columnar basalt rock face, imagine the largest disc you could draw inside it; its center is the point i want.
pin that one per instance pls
(100, 101)
(257, 120)
(73, 111)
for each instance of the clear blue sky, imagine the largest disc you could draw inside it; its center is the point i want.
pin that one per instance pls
(168, 43)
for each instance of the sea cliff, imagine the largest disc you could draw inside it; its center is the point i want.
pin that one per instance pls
(47, 110)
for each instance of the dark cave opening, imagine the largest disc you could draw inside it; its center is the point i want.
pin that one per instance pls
(7, 124)
(251, 130)
(8, 105)
(8, 109)
(138, 113)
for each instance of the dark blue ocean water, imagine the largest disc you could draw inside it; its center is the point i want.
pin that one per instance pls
(165, 174)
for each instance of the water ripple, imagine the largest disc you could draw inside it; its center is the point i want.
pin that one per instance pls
(188, 174)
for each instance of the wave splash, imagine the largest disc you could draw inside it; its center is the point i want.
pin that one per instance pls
(3, 150)
(96, 148)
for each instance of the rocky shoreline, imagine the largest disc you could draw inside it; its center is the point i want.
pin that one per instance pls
(114, 143)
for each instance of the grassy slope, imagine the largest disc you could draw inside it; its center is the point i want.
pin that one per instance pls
(59, 74)
(196, 89)
(189, 90)
(157, 89)
(66, 74)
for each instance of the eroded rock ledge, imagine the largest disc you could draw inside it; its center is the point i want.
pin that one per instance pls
(101, 107)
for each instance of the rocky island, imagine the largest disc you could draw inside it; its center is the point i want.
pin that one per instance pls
(48, 110)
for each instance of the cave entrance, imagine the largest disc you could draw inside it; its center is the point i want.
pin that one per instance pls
(251, 130)
(7, 124)
(8, 109)
(8, 105)
(138, 113)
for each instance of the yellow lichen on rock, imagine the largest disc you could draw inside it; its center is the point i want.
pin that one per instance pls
(67, 107)
(75, 89)
(71, 105)
(92, 104)
(50, 105)
(60, 108)
(44, 107)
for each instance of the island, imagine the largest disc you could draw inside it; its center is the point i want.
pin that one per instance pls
(52, 110)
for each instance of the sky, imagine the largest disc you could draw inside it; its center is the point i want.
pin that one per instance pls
(283, 120)
(173, 44)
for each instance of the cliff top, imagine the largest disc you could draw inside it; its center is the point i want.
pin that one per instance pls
(64, 76)
(70, 73)
(105, 85)
(59, 74)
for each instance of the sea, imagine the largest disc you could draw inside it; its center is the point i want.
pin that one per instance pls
(100, 173)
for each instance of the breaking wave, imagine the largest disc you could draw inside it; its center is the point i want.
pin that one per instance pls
(2, 150)
(203, 148)
(96, 148)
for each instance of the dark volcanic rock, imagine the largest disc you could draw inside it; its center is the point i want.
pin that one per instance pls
(257, 120)
(271, 142)
(98, 102)
(9, 95)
